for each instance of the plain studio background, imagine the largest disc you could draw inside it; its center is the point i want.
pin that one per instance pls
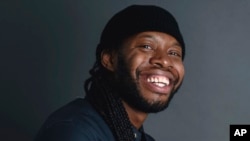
(47, 48)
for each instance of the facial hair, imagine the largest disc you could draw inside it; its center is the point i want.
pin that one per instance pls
(127, 89)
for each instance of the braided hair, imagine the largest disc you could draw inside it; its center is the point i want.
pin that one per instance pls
(100, 94)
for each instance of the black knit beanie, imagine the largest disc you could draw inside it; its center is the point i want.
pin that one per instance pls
(135, 19)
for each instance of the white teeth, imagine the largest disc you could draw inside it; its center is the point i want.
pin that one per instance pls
(156, 80)
(160, 84)
(152, 79)
(167, 81)
(159, 81)
(148, 79)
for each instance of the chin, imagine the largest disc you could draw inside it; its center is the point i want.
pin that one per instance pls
(146, 104)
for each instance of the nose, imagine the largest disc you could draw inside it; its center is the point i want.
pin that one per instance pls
(161, 60)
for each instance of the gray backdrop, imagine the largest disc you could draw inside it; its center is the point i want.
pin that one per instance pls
(47, 48)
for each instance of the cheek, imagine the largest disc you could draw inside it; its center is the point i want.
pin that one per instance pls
(135, 62)
(181, 70)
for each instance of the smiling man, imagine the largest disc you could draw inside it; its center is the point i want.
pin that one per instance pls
(138, 69)
(150, 69)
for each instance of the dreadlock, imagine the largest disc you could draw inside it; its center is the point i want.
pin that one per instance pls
(100, 94)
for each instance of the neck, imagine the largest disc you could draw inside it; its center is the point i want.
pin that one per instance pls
(136, 117)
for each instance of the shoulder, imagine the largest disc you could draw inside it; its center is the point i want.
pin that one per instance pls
(149, 138)
(75, 121)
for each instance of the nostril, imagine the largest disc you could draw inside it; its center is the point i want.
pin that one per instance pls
(158, 65)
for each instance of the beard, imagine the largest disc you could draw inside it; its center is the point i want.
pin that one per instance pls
(128, 90)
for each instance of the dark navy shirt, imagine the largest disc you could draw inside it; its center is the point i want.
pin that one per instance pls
(78, 121)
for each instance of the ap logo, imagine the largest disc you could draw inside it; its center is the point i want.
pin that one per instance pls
(239, 132)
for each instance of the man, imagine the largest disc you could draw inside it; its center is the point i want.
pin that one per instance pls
(139, 67)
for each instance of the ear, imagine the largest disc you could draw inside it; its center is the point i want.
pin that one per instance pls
(108, 59)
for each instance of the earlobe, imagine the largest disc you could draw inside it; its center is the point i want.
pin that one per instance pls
(107, 60)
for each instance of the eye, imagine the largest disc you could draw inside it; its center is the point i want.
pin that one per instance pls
(148, 47)
(175, 53)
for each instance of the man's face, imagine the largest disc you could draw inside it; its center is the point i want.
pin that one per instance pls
(149, 70)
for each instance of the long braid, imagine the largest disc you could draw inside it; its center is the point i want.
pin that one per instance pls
(110, 106)
(119, 119)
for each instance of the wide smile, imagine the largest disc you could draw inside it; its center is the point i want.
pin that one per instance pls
(157, 83)
(160, 81)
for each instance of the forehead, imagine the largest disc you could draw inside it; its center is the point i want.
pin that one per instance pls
(153, 36)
